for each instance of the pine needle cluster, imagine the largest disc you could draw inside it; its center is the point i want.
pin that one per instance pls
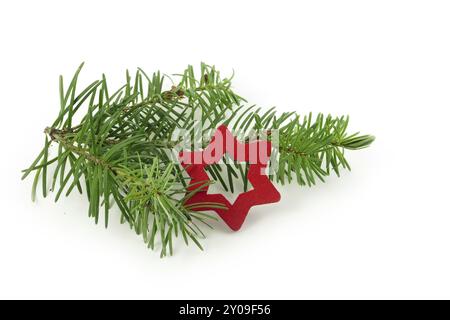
(112, 146)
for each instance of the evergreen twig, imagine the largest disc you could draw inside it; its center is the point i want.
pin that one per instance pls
(116, 151)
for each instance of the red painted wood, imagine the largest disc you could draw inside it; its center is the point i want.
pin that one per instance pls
(223, 141)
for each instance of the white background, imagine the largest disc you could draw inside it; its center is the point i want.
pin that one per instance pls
(381, 231)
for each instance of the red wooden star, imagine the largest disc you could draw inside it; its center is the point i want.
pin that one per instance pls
(256, 153)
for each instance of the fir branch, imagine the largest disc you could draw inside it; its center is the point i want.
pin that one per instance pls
(117, 149)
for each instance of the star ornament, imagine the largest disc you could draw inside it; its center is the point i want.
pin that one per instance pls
(256, 153)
